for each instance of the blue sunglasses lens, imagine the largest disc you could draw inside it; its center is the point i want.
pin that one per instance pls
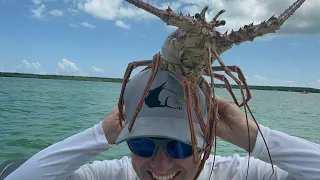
(178, 149)
(145, 148)
(142, 147)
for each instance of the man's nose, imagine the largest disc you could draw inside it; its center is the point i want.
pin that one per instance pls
(161, 162)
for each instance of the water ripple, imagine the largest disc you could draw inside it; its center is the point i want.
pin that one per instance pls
(36, 113)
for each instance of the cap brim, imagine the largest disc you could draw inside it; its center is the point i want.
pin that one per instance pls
(165, 127)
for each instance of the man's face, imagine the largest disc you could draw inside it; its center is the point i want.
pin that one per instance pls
(162, 167)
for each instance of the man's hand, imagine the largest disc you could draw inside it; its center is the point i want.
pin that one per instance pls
(111, 125)
(233, 127)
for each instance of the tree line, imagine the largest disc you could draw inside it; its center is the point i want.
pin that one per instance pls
(120, 80)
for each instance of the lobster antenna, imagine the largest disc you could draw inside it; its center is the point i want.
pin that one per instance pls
(216, 22)
(203, 13)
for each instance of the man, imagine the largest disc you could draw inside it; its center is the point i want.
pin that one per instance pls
(163, 120)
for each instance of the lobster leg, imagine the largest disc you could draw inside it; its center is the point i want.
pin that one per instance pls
(208, 64)
(228, 71)
(187, 85)
(215, 108)
(228, 86)
(207, 93)
(131, 66)
(206, 90)
(241, 77)
(198, 113)
(156, 61)
(212, 123)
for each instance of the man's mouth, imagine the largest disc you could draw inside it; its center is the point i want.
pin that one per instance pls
(169, 177)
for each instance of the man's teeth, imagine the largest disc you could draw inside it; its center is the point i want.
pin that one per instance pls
(163, 177)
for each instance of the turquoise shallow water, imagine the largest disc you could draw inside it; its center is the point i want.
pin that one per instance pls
(35, 113)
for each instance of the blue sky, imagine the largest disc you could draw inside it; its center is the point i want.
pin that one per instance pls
(100, 37)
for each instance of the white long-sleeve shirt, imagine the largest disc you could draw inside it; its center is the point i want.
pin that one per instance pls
(294, 158)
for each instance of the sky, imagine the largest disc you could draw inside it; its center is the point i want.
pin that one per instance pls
(100, 37)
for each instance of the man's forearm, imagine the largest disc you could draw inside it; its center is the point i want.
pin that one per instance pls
(299, 157)
(59, 160)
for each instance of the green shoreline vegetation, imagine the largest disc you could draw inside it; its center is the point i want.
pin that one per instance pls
(120, 80)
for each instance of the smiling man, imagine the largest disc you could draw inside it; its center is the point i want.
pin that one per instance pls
(160, 144)
(160, 138)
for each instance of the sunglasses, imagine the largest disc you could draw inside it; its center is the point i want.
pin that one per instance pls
(148, 147)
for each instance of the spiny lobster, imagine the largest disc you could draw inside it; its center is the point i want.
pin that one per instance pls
(189, 52)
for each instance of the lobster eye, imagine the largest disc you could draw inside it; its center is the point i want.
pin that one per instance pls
(197, 15)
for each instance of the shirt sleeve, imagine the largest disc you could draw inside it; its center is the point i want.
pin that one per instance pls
(62, 160)
(296, 156)
(293, 159)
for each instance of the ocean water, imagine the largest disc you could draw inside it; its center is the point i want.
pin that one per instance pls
(35, 113)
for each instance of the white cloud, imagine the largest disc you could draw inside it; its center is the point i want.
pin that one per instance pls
(73, 25)
(254, 80)
(73, 2)
(290, 83)
(122, 24)
(67, 66)
(170, 28)
(83, 24)
(118, 9)
(110, 9)
(238, 13)
(259, 78)
(265, 81)
(37, 2)
(98, 70)
(88, 25)
(73, 11)
(312, 84)
(38, 12)
(27, 67)
(26, 64)
(56, 12)
(102, 9)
